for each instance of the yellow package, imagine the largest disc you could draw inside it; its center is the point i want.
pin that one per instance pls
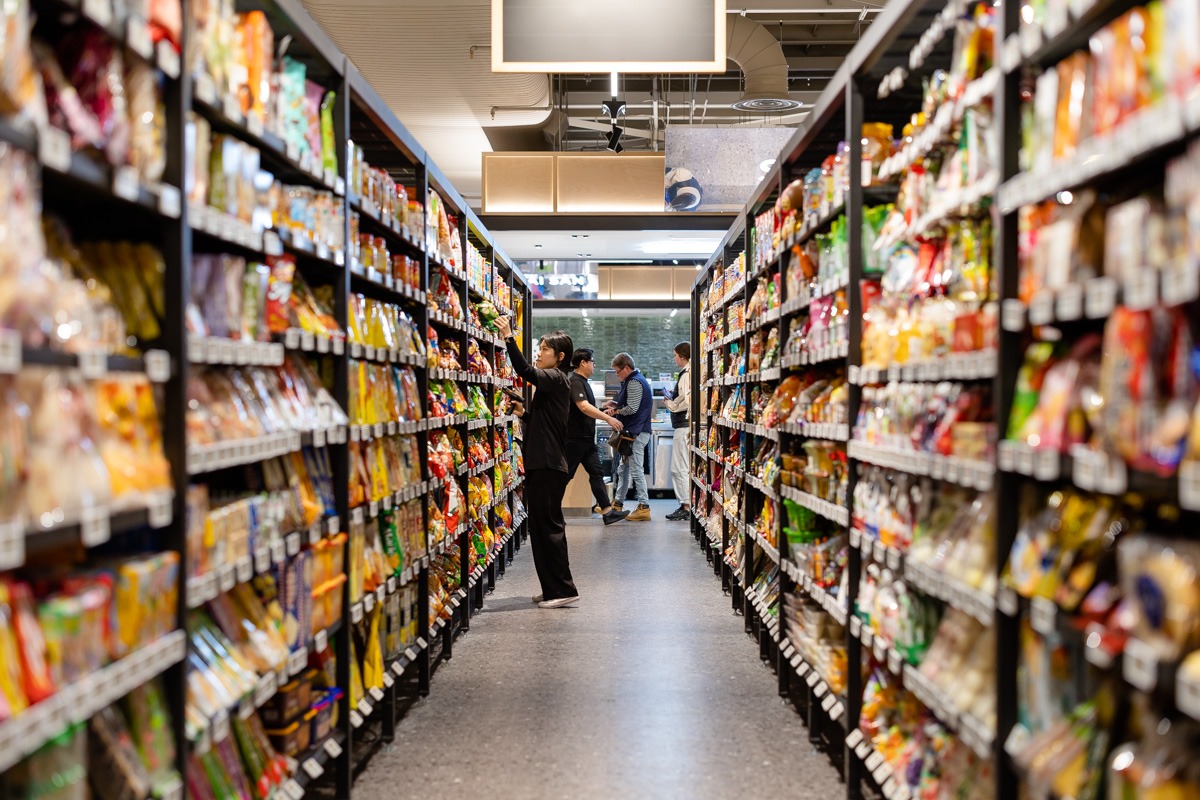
(373, 660)
(357, 546)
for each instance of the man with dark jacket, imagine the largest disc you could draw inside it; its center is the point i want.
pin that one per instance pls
(581, 433)
(546, 460)
(634, 407)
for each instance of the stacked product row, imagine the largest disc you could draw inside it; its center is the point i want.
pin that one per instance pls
(256, 452)
(947, 444)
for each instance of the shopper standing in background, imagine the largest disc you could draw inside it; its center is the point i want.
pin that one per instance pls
(546, 460)
(581, 433)
(634, 406)
(679, 403)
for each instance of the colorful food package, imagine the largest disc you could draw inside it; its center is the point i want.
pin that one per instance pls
(279, 293)
(251, 64)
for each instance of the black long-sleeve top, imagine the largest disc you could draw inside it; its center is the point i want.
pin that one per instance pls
(546, 418)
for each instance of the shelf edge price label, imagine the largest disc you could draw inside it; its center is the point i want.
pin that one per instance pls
(94, 528)
(313, 769)
(1189, 485)
(293, 790)
(1043, 615)
(388, 680)
(125, 183)
(377, 693)
(12, 545)
(265, 689)
(1140, 665)
(220, 727)
(321, 641)
(356, 719)
(365, 707)
(298, 660)
(100, 11)
(93, 363)
(332, 748)
(54, 148)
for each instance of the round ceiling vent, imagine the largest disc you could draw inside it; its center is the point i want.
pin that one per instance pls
(767, 104)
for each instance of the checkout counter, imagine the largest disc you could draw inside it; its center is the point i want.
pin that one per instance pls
(578, 500)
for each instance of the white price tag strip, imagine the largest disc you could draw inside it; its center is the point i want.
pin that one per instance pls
(356, 719)
(95, 526)
(220, 727)
(313, 769)
(54, 149)
(298, 660)
(1141, 665)
(1043, 615)
(125, 183)
(293, 790)
(332, 748)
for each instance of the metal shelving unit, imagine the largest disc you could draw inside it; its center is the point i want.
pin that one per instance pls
(877, 83)
(880, 82)
(101, 201)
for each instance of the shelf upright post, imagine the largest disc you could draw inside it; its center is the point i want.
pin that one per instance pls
(1008, 108)
(424, 667)
(489, 574)
(783, 665)
(177, 249)
(694, 420)
(340, 453)
(464, 344)
(749, 613)
(854, 221)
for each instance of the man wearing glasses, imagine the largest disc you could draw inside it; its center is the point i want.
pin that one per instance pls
(581, 433)
(634, 406)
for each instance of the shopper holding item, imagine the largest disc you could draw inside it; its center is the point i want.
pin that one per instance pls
(546, 460)
(634, 407)
(679, 403)
(581, 433)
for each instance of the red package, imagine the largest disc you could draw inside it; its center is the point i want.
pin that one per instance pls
(35, 672)
(279, 293)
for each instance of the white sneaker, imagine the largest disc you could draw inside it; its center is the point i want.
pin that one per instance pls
(539, 598)
(559, 602)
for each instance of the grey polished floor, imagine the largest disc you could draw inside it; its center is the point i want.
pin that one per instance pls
(649, 689)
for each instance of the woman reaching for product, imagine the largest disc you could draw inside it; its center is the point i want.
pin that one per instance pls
(546, 460)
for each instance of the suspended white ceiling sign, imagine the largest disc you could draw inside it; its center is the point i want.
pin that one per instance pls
(612, 36)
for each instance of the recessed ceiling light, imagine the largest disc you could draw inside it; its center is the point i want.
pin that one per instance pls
(682, 246)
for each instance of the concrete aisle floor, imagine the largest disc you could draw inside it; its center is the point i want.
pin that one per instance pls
(649, 689)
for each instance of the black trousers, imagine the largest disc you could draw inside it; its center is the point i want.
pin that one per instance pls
(582, 451)
(548, 532)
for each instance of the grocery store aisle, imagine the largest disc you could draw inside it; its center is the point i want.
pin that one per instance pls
(650, 688)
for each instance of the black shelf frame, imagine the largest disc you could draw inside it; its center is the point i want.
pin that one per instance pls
(82, 190)
(855, 94)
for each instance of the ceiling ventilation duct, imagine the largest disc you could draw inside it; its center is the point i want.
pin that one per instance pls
(760, 56)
